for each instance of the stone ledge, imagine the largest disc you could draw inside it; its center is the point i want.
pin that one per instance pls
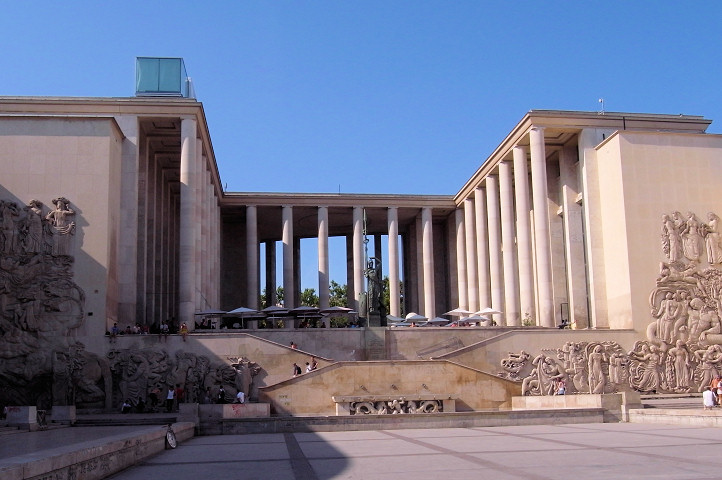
(492, 418)
(92, 460)
(676, 416)
(616, 405)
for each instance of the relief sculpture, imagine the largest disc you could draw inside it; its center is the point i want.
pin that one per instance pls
(683, 349)
(40, 307)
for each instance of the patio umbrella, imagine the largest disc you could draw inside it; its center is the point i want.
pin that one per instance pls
(474, 319)
(438, 321)
(243, 312)
(415, 317)
(337, 310)
(211, 313)
(274, 310)
(304, 309)
(458, 312)
(240, 311)
(393, 319)
(487, 311)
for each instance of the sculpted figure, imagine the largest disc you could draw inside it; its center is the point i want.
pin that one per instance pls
(63, 228)
(681, 369)
(9, 212)
(514, 363)
(691, 238)
(671, 239)
(666, 316)
(373, 273)
(597, 379)
(618, 364)
(34, 241)
(712, 239)
(89, 373)
(62, 379)
(710, 322)
(709, 364)
(543, 378)
(134, 381)
(693, 319)
(646, 376)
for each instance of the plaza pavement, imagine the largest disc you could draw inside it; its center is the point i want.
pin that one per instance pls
(588, 451)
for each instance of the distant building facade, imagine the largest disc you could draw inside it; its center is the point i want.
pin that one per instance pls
(560, 224)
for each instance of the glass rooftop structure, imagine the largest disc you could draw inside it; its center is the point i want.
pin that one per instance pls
(162, 77)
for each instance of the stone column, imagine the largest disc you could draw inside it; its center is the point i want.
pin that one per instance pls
(200, 260)
(288, 284)
(508, 234)
(541, 227)
(271, 297)
(482, 251)
(323, 277)
(523, 235)
(495, 272)
(573, 239)
(188, 220)
(394, 293)
(252, 256)
(471, 265)
(461, 276)
(428, 258)
(358, 256)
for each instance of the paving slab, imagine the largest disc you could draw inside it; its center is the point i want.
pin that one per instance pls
(539, 452)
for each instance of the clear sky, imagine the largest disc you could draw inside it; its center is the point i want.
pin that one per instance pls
(373, 96)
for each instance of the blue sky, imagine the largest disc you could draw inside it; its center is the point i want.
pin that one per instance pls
(372, 96)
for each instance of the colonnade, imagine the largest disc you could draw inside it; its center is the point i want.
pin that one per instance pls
(356, 253)
(504, 256)
(198, 230)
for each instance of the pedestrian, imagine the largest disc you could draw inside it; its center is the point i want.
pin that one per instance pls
(180, 394)
(308, 367)
(294, 346)
(221, 395)
(170, 396)
(296, 370)
(114, 331)
(240, 397)
(184, 331)
(154, 397)
(708, 398)
(164, 330)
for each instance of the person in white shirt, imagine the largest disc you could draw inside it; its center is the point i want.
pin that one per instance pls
(708, 398)
(240, 397)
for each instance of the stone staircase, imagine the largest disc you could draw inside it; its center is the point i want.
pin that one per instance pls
(116, 419)
(673, 401)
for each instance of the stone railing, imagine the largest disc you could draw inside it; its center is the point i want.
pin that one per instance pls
(394, 404)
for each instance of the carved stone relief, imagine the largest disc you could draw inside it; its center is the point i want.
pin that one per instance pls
(682, 352)
(396, 406)
(40, 306)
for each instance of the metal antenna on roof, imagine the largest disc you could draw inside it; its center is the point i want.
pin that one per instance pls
(601, 101)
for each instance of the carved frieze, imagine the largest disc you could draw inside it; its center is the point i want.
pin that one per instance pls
(40, 305)
(682, 352)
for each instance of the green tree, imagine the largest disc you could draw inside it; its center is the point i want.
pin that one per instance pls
(266, 302)
(386, 299)
(337, 295)
(309, 298)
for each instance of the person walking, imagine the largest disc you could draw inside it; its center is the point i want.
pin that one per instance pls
(169, 398)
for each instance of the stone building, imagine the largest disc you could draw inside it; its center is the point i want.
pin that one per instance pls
(113, 212)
